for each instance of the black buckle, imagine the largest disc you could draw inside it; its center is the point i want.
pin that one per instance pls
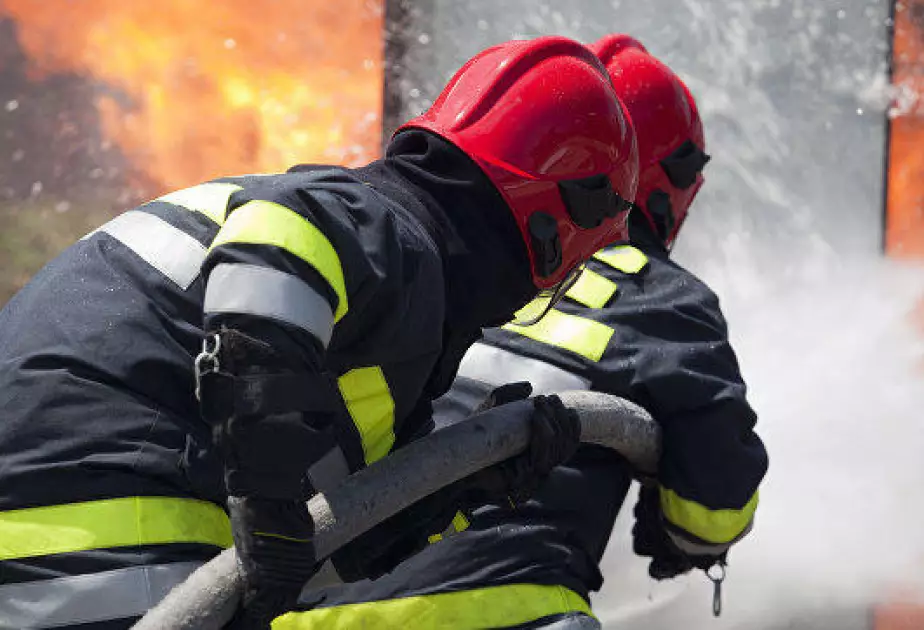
(659, 207)
(547, 254)
(590, 200)
(683, 165)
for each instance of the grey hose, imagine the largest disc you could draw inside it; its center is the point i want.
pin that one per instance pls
(208, 598)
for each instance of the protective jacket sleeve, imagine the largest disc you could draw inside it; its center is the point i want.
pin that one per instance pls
(329, 275)
(641, 326)
(686, 374)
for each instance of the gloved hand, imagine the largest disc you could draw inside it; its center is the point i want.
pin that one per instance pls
(650, 539)
(555, 436)
(396, 539)
(273, 539)
(272, 419)
(504, 394)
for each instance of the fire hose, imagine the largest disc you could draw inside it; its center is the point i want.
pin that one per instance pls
(209, 597)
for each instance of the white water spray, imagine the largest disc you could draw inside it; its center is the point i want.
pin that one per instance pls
(787, 230)
(836, 372)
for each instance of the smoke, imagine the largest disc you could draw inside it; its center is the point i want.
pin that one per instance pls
(836, 372)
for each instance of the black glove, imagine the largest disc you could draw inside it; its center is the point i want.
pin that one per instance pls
(556, 433)
(554, 437)
(274, 544)
(272, 418)
(504, 394)
(651, 540)
(396, 539)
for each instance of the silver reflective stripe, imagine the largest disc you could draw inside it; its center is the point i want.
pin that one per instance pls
(705, 548)
(89, 598)
(497, 366)
(171, 251)
(577, 621)
(328, 471)
(264, 292)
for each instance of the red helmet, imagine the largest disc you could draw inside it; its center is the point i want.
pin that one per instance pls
(671, 141)
(541, 119)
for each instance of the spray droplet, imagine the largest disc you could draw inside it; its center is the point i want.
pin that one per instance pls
(230, 43)
(36, 189)
(841, 14)
(62, 206)
(12, 106)
(859, 111)
(424, 38)
(482, 25)
(18, 155)
(414, 93)
(368, 64)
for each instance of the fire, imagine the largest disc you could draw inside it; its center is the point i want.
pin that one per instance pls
(905, 204)
(192, 90)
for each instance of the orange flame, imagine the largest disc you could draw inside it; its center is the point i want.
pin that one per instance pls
(196, 90)
(905, 202)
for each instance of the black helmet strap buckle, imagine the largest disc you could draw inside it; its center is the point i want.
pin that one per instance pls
(661, 213)
(546, 243)
(683, 165)
(590, 200)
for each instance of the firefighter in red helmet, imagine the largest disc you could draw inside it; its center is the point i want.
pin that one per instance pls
(637, 325)
(314, 314)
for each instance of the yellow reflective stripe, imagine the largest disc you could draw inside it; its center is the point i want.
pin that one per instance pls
(592, 290)
(492, 607)
(372, 408)
(268, 223)
(209, 199)
(625, 258)
(459, 524)
(130, 521)
(714, 526)
(569, 332)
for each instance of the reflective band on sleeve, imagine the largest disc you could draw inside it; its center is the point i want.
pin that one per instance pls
(90, 598)
(265, 292)
(592, 290)
(701, 548)
(267, 223)
(171, 251)
(625, 258)
(107, 523)
(497, 366)
(208, 199)
(713, 526)
(577, 334)
(491, 607)
(372, 408)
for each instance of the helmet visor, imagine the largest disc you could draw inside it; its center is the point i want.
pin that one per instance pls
(533, 312)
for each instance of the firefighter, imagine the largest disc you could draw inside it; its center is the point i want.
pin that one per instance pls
(637, 325)
(314, 314)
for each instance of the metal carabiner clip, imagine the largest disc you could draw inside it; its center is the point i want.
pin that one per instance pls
(206, 361)
(716, 577)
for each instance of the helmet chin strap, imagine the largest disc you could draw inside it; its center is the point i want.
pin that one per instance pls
(533, 312)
